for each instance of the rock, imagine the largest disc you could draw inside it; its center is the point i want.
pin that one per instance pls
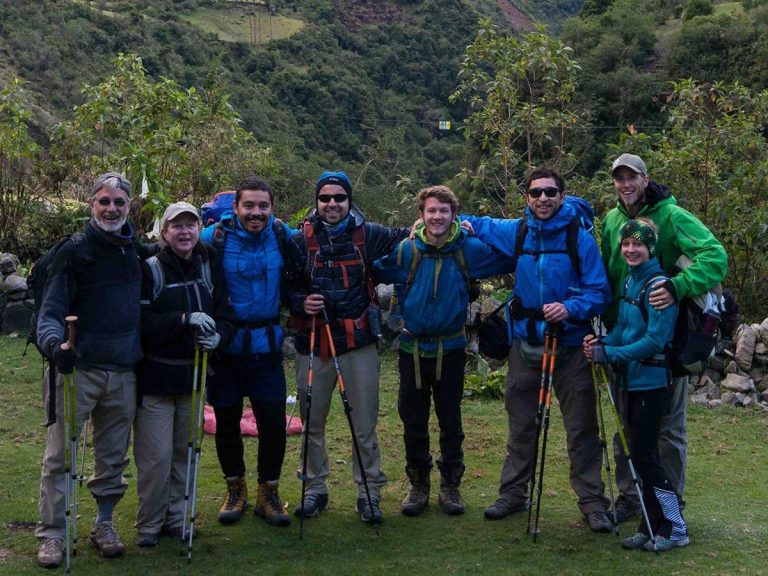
(738, 399)
(731, 367)
(715, 403)
(703, 381)
(738, 383)
(700, 399)
(17, 317)
(384, 292)
(9, 263)
(717, 363)
(763, 396)
(289, 351)
(762, 331)
(761, 348)
(748, 401)
(728, 398)
(760, 359)
(745, 346)
(15, 286)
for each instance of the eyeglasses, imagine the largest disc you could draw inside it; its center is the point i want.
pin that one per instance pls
(118, 202)
(338, 198)
(549, 192)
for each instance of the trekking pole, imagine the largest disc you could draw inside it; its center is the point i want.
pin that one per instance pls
(604, 445)
(81, 476)
(51, 420)
(348, 412)
(199, 415)
(190, 442)
(306, 424)
(627, 454)
(539, 414)
(554, 329)
(70, 452)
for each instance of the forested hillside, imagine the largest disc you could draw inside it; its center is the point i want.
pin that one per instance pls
(187, 95)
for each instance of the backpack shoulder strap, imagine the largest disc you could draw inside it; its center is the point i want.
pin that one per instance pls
(205, 275)
(462, 263)
(640, 301)
(414, 266)
(522, 230)
(158, 276)
(281, 233)
(572, 243)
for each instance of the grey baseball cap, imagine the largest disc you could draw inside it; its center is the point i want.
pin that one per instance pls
(634, 163)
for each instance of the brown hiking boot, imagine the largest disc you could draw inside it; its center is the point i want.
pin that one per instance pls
(449, 496)
(418, 496)
(235, 501)
(50, 553)
(269, 506)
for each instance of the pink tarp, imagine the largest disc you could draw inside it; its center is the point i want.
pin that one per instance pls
(248, 423)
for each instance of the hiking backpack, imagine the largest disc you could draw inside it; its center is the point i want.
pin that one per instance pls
(216, 207)
(697, 328)
(38, 276)
(158, 276)
(495, 330)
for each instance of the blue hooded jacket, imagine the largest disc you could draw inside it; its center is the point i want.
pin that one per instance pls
(253, 266)
(436, 303)
(546, 278)
(633, 340)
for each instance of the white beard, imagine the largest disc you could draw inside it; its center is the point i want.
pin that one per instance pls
(110, 225)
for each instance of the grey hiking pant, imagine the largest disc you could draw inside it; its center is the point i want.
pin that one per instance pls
(160, 447)
(360, 371)
(673, 443)
(109, 398)
(574, 389)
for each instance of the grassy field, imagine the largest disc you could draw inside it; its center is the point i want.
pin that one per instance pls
(234, 23)
(727, 512)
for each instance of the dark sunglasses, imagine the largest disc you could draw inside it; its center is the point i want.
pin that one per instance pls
(537, 192)
(339, 198)
(104, 201)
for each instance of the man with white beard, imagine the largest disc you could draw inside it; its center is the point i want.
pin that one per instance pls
(96, 277)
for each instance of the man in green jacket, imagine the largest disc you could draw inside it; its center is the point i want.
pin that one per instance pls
(680, 232)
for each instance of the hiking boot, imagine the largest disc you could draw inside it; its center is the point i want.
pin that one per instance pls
(50, 552)
(418, 496)
(104, 537)
(269, 506)
(634, 542)
(504, 507)
(312, 506)
(665, 544)
(450, 500)
(598, 521)
(235, 501)
(367, 515)
(626, 509)
(449, 496)
(147, 540)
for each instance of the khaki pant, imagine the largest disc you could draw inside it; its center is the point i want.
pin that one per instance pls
(109, 398)
(574, 388)
(160, 447)
(360, 371)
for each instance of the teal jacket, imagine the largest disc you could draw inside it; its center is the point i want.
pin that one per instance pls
(435, 307)
(632, 340)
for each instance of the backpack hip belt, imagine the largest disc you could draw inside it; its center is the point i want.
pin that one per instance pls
(248, 325)
(440, 352)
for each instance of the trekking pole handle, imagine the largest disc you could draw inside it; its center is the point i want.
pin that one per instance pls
(71, 333)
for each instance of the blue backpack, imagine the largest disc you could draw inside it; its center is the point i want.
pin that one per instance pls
(213, 210)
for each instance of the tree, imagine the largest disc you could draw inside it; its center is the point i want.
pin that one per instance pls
(518, 93)
(713, 155)
(180, 142)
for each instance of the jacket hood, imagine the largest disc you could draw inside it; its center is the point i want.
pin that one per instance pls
(655, 193)
(560, 220)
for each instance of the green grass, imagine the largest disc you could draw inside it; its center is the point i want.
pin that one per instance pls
(727, 512)
(233, 24)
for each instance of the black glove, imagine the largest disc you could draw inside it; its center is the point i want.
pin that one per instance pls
(64, 359)
(598, 354)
